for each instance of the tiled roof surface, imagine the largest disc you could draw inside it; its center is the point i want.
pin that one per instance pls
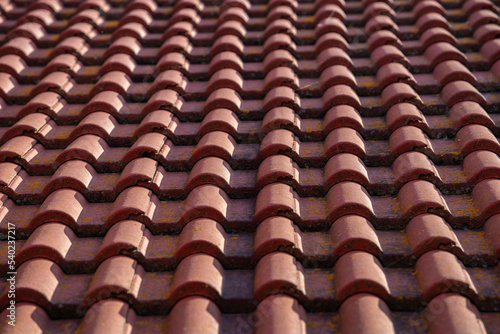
(242, 166)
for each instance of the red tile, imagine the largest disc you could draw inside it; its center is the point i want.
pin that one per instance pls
(91, 16)
(340, 94)
(208, 316)
(333, 56)
(50, 5)
(223, 98)
(486, 197)
(452, 312)
(281, 12)
(400, 93)
(408, 138)
(383, 37)
(342, 116)
(141, 16)
(148, 5)
(330, 25)
(126, 44)
(63, 205)
(487, 32)
(206, 201)
(432, 20)
(428, 6)
(125, 279)
(237, 14)
(352, 233)
(167, 99)
(82, 29)
(32, 319)
(417, 197)
(482, 17)
(48, 103)
(429, 232)
(385, 54)
(194, 4)
(202, 236)
(274, 198)
(20, 46)
(458, 91)
(348, 198)
(380, 22)
(74, 174)
(440, 271)
(132, 201)
(491, 227)
(215, 169)
(108, 314)
(475, 137)
(151, 143)
(275, 234)
(198, 274)
(337, 75)
(101, 5)
(437, 35)
(402, 114)
(330, 40)
(225, 78)
(119, 62)
(280, 314)
(229, 43)
(12, 64)
(215, 143)
(344, 140)
(442, 51)
(258, 167)
(31, 123)
(220, 120)
(278, 26)
(185, 14)
(281, 96)
(136, 171)
(394, 73)
(345, 166)
(126, 236)
(365, 313)
(63, 63)
(226, 59)
(32, 30)
(329, 11)
(471, 6)
(170, 79)
(452, 70)
(180, 28)
(413, 165)
(133, 29)
(37, 281)
(87, 147)
(468, 112)
(480, 165)
(50, 241)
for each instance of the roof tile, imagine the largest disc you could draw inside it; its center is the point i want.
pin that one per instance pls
(279, 166)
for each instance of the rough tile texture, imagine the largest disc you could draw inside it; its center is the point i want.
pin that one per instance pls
(241, 166)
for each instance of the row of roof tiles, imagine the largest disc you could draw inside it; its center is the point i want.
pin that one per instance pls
(448, 312)
(42, 281)
(424, 233)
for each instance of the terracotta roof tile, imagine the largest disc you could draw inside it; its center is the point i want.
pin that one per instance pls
(244, 166)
